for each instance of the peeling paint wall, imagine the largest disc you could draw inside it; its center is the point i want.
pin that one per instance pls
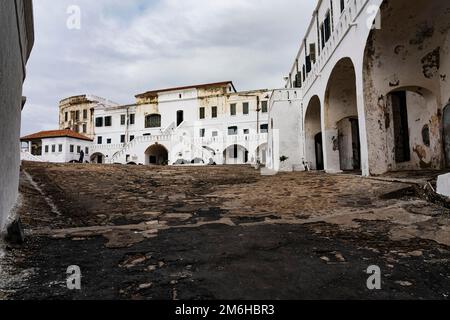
(401, 56)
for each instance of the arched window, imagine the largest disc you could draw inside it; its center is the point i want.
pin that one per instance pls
(153, 121)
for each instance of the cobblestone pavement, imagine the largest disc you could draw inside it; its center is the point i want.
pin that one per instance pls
(223, 233)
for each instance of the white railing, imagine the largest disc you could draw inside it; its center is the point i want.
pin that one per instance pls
(229, 140)
(100, 147)
(142, 139)
(26, 156)
(348, 19)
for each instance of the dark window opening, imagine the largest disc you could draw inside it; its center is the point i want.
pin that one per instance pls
(123, 119)
(264, 106)
(99, 122)
(264, 128)
(132, 118)
(122, 138)
(180, 117)
(426, 135)
(233, 109)
(99, 141)
(214, 112)
(245, 107)
(108, 121)
(202, 113)
(153, 121)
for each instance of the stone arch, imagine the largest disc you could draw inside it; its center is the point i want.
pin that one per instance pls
(156, 154)
(342, 137)
(408, 56)
(98, 158)
(313, 134)
(235, 154)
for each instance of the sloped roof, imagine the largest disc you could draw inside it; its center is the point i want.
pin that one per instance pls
(215, 84)
(55, 134)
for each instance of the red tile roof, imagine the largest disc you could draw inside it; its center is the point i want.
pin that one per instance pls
(55, 134)
(215, 84)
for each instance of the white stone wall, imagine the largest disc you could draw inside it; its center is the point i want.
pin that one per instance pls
(15, 44)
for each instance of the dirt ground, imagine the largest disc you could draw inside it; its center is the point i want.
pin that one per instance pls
(224, 233)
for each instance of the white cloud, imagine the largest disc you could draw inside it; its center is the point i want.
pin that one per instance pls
(127, 47)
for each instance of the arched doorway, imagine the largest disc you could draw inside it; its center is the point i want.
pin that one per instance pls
(235, 154)
(156, 155)
(406, 87)
(410, 140)
(343, 147)
(313, 135)
(98, 158)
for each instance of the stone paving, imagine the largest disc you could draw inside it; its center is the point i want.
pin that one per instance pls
(224, 233)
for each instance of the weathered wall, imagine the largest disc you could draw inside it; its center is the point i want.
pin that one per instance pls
(406, 55)
(14, 49)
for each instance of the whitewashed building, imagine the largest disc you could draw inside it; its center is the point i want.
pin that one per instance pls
(369, 90)
(57, 146)
(199, 124)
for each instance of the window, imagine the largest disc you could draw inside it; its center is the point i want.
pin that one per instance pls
(234, 152)
(99, 122)
(215, 133)
(77, 115)
(180, 96)
(202, 113)
(108, 121)
(72, 148)
(53, 148)
(84, 128)
(233, 109)
(245, 108)
(66, 116)
(46, 149)
(180, 117)
(131, 138)
(76, 128)
(264, 128)
(78, 149)
(132, 118)
(86, 150)
(153, 121)
(214, 112)
(264, 106)
(202, 133)
(342, 5)
(85, 114)
(60, 148)
(122, 138)
(246, 131)
(325, 29)
(99, 140)
(232, 131)
(108, 141)
(123, 119)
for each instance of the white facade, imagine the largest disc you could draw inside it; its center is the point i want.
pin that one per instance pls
(59, 150)
(373, 77)
(201, 124)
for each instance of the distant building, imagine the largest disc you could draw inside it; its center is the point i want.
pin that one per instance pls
(58, 146)
(77, 113)
(16, 42)
(198, 124)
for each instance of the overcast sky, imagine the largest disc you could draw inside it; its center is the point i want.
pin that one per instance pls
(129, 47)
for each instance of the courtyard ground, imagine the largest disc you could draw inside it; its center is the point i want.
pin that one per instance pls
(225, 233)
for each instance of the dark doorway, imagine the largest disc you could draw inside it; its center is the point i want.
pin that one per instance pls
(401, 130)
(153, 159)
(99, 159)
(319, 151)
(356, 144)
(246, 157)
(180, 117)
(446, 125)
